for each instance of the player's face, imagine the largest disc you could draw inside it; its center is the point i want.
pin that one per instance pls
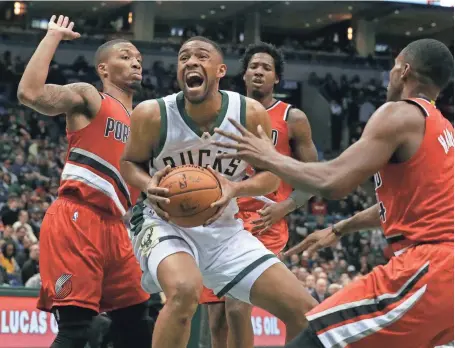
(124, 66)
(396, 79)
(260, 76)
(199, 70)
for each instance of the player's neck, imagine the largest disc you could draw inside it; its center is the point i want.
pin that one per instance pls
(124, 97)
(420, 91)
(267, 101)
(205, 112)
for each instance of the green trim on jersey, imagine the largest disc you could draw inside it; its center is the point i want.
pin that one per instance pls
(163, 126)
(189, 121)
(242, 111)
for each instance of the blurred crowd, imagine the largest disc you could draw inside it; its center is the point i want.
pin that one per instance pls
(33, 149)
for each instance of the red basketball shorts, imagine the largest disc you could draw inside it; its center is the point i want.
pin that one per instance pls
(407, 303)
(86, 260)
(274, 239)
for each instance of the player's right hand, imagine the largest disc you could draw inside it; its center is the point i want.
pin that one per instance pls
(63, 28)
(156, 194)
(315, 241)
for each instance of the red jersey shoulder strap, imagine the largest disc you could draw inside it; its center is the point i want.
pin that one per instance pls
(426, 105)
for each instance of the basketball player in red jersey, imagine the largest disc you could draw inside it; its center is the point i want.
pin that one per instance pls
(263, 66)
(408, 146)
(87, 265)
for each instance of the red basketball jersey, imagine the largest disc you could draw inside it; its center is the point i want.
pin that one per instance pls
(416, 197)
(280, 135)
(91, 173)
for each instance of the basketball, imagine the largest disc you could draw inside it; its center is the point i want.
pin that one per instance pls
(192, 189)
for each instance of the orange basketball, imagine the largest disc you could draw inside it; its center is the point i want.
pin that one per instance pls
(192, 189)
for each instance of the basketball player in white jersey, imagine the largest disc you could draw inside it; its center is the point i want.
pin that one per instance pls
(179, 129)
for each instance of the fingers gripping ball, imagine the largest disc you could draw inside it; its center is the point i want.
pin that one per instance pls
(192, 190)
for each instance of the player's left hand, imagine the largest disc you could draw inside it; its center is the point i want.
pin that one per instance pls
(227, 193)
(271, 213)
(257, 151)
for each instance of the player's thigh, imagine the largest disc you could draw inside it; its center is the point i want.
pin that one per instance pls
(71, 257)
(406, 303)
(279, 292)
(122, 273)
(217, 317)
(166, 258)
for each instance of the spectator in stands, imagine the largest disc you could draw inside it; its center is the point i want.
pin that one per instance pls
(318, 206)
(23, 222)
(10, 212)
(333, 288)
(8, 262)
(310, 283)
(31, 266)
(320, 291)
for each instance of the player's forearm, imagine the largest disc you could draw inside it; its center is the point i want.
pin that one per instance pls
(366, 219)
(260, 184)
(134, 174)
(34, 78)
(315, 178)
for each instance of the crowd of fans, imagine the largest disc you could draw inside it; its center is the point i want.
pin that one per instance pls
(33, 149)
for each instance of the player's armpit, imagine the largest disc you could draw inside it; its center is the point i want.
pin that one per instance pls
(54, 100)
(144, 137)
(300, 136)
(385, 132)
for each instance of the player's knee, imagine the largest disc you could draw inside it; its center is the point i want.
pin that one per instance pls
(74, 325)
(132, 326)
(237, 311)
(183, 297)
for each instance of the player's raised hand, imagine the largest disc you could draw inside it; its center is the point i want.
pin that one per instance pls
(227, 193)
(63, 28)
(255, 150)
(156, 194)
(315, 241)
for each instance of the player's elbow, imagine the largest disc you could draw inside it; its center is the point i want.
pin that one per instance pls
(333, 189)
(25, 96)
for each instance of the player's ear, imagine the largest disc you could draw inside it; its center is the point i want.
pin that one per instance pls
(406, 71)
(244, 77)
(222, 70)
(277, 80)
(102, 70)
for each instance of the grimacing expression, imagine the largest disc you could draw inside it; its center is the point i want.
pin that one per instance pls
(397, 78)
(199, 70)
(123, 66)
(260, 76)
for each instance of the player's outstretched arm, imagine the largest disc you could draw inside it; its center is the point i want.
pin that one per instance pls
(144, 137)
(366, 219)
(52, 99)
(303, 150)
(387, 130)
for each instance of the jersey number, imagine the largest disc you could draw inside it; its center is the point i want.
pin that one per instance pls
(274, 137)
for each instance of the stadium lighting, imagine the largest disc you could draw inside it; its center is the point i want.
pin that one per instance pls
(350, 33)
(408, 33)
(222, 7)
(212, 12)
(203, 16)
(433, 24)
(397, 11)
(130, 17)
(420, 29)
(350, 8)
(19, 8)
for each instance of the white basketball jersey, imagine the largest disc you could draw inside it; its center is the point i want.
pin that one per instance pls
(182, 142)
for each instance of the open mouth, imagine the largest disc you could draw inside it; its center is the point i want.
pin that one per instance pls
(194, 80)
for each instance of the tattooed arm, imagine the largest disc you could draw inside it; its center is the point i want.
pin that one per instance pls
(49, 99)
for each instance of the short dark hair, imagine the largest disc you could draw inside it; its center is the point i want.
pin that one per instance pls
(264, 47)
(431, 60)
(105, 47)
(205, 39)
